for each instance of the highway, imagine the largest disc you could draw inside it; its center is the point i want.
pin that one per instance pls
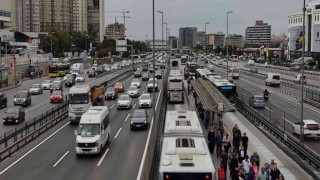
(54, 157)
(279, 108)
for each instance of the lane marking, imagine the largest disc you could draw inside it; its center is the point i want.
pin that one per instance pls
(112, 106)
(134, 105)
(102, 158)
(291, 109)
(243, 93)
(269, 109)
(60, 159)
(127, 117)
(3, 171)
(143, 91)
(287, 120)
(115, 137)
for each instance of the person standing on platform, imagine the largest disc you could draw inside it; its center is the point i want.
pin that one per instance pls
(255, 158)
(244, 142)
(211, 140)
(262, 175)
(218, 143)
(236, 139)
(221, 173)
(224, 160)
(226, 142)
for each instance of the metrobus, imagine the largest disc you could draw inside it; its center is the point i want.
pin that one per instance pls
(58, 69)
(234, 58)
(227, 89)
(204, 73)
(235, 72)
(175, 64)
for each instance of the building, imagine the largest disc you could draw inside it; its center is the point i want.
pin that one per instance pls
(235, 40)
(159, 44)
(26, 15)
(216, 39)
(5, 14)
(80, 16)
(257, 35)
(95, 19)
(277, 41)
(173, 42)
(312, 31)
(187, 37)
(115, 31)
(202, 38)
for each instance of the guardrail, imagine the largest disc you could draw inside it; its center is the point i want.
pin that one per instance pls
(286, 140)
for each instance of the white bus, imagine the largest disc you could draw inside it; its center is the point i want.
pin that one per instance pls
(204, 73)
(235, 72)
(175, 87)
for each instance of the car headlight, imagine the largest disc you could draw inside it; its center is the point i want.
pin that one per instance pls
(14, 99)
(96, 143)
(145, 122)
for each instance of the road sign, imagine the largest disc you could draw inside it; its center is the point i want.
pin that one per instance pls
(85, 57)
(121, 45)
(50, 58)
(7, 36)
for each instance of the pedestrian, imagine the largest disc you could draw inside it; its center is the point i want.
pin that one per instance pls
(250, 175)
(224, 160)
(255, 169)
(211, 140)
(281, 177)
(234, 166)
(241, 155)
(218, 142)
(246, 164)
(221, 172)
(236, 139)
(40, 72)
(275, 172)
(244, 142)
(255, 158)
(262, 175)
(268, 170)
(226, 142)
(235, 127)
(241, 174)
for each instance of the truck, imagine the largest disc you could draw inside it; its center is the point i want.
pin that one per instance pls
(77, 69)
(175, 89)
(82, 97)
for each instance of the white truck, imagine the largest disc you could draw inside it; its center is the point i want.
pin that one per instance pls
(175, 88)
(77, 69)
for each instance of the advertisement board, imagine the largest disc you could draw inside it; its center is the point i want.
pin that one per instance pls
(316, 38)
(11, 62)
(296, 38)
(7, 36)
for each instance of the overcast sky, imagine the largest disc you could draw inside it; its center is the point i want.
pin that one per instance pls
(194, 13)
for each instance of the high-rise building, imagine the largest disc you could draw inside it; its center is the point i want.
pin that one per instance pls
(258, 34)
(216, 39)
(96, 25)
(5, 14)
(187, 37)
(115, 31)
(80, 16)
(173, 42)
(26, 15)
(202, 38)
(235, 40)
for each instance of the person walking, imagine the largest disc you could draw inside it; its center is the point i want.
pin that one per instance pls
(233, 166)
(275, 172)
(246, 164)
(211, 140)
(226, 142)
(218, 142)
(244, 142)
(221, 173)
(255, 158)
(262, 175)
(241, 155)
(236, 139)
(224, 160)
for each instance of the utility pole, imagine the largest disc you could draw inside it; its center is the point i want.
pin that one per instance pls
(228, 40)
(161, 28)
(302, 72)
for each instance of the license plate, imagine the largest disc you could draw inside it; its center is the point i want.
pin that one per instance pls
(138, 125)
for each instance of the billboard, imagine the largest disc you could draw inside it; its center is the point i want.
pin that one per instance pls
(11, 67)
(7, 36)
(316, 38)
(296, 38)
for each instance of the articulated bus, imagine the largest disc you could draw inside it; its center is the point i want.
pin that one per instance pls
(58, 69)
(227, 89)
(234, 58)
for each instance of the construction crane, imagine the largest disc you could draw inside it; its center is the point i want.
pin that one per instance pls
(124, 12)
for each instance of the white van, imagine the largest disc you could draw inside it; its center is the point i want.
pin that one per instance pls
(93, 132)
(273, 79)
(251, 62)
(298, 79)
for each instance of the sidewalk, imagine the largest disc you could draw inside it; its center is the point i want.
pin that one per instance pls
(259, 143)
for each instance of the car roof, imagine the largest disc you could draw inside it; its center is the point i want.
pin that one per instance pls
(146, 94)
(309, 121)
(126, 95)
(258, 95)
(139, 111)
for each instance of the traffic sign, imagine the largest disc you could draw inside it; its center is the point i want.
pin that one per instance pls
(50, 58)
(85, 57)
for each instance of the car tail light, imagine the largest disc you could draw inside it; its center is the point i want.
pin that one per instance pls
(206, 177)
(305, 126)
(167, 176)
(50, 97)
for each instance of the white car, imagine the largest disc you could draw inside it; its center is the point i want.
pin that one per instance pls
(36, 89)
(46, 84)
(124, 101)
(66, 77)
(136, 82)
(133, 91)
(311, 128)
(80, 79)
(145, 101)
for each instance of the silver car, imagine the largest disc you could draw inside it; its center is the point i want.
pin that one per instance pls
(46, 84)
(124, 101)
(257, 101)
(36, 89)
(80, 79)
(136, 82)
(133, 91)
(145, 101)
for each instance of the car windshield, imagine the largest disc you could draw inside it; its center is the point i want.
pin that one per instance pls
(46, 82)
(21, 94)
(55, 84)
(56, 93)
(145, 96)
(35, 86)
(118, 84)
(258, 98)
(110, 89)
(139, 114)
(12, 111)
(133, 88)
(276, 77)
(89, 129)
(79, 98)
(123, 97)
(135, 80)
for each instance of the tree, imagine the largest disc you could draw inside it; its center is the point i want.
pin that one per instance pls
(218, 49)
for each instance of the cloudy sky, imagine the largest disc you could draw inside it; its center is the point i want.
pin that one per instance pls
(194, 13)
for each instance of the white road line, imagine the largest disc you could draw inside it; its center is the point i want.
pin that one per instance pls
(147, 142)
(287, 120)
(3, 171)
(269, 109)
(291, 109)
(115, 137)
(60, 159)
(112, 106)
(127, 80)
(134, 105)
(127, 117)
(102, 158)
(143, 91)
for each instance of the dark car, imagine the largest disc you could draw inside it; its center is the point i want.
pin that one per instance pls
(57, 85)
(137, 74)
(100, 69)
(3, 100)
(91, 73)
(139, 119)
(70, 81)
(22, 97)
(111, 93)
(145, 77)
(158, 74)
(14, 115)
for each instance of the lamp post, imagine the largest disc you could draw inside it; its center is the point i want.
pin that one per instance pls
(86, 54)
(15, 71)
(51, 40)
(166, 36)
(229, 12)
(162, 27)
(302, 72)
(153, 56)
(205, 27)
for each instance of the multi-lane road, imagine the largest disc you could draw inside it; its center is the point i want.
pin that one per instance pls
(280, 108)
(55, 158)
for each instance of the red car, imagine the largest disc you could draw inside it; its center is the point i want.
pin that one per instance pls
(56, 96)
(119, 87)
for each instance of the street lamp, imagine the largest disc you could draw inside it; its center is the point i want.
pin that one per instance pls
(302, 72)
(205, 27)
(153, 55)
(14, 64)
(229, 12)
(86, 55)
(166, 36)
(51, 40)
(162, 27)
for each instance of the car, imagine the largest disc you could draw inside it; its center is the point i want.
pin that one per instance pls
(145, 77)
(70, 82)
(36, 89)
(133, 91)
(14, 115)
(250, 62)
(56, 86)
(254, 70)
(58, 79)
(67, 76)
(257, 101)
(158, 74)
(3, 100)
(137, 73)
(115, 66)
(22, 97)
(220, 62)
(91, 73)
(124, 101)
(80, 79)
(150, 85)
(266, 64)
(136, 82)
(56, 97)
(111, 93)
(298, 79)
(145, 101)
(119, 87)
(139, 119)
(46, 84)
(311, 128)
